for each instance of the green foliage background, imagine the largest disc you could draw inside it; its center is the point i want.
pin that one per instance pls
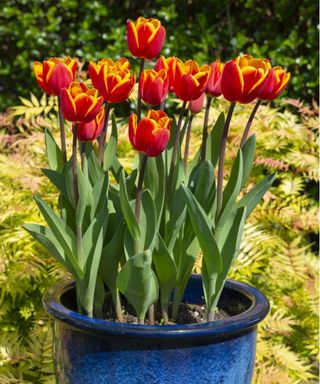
(283, 30)
(278, 254)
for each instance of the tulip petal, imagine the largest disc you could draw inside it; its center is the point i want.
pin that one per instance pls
(132, 39)
(155, 44)
(158, 143)
(144, 133)
(68, 106)
(231, 81)
(60, 77)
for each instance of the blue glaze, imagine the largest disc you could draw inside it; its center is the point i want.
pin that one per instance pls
(93, 351)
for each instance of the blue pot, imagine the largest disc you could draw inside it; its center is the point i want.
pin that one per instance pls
(93, 351)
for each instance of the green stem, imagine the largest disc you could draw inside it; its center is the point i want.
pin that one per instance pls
(205, 129)
(139, 187)
(139, 97)
(83, 146)
(222, 157)
(117, 305)
(186, 149)
(74, 165)
(248, 126)
(151, 314)
(103, 134)
(62, 133)
(175, 149)
(176, 304)
(162, 105)
(210, 316)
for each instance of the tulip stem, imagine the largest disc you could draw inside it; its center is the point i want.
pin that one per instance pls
(83, 147)
(175, 147)
(139, 187)
(103, 135)
(221, 159)
(186, 149)
(162, 105)
(139, 97)
(74, 165)
(246, 131)
(62, 133)
(205, 130)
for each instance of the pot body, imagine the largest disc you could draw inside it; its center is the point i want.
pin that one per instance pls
(92, 351)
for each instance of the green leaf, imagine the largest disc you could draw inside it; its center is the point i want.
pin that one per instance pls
(252, 198)
(148, 221)
(54, 154)
(138, 283)
(94, 167)
(110, 258)
(62, 233)
(203, 230)
(84, 188)
(232, 189)
(57, 179)
(127, 210)
(100, 194)
(229, 250)
(164, 263)
(111, 147)
(248, 151)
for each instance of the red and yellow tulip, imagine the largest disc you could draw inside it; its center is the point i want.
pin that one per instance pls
(115, 84)
(195, 106)
(213, 88)
(167, 64)
(80, 104)
(190, 81)
(54, 74)
(94, 68)
(153, 86)
(145, 37)
(91, 130)
(274, 84)
(152, 134)
(242, 78)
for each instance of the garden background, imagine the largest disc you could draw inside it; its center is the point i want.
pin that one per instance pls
(279, 254)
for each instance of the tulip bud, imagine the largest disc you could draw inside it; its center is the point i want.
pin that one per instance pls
(152, 134)
(196, 106)
(94, 68)
(167, 64)
(242, 78)
(80, 104)
(213, 88)
(91, 131)
(54, 74)
(190, 81)
(153, 86)
(274, 84)
(145, 37)
(115, 84)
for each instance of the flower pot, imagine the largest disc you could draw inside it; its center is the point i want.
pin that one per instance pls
(93, 351)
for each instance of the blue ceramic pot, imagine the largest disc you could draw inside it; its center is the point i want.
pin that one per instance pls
(92, 351)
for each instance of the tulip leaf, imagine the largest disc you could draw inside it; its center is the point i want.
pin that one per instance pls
(85, 190)
(100, 194)
(248, 151)
(94, 167)
(232, 189)
(252, 198)
(110, 258)
(111, 147)
(230, 249)
(127, 210)
(62, 233)
(54, 153)
(148, 221)
(138, 283)
(164, 263)
(57, 179)
(67, 211)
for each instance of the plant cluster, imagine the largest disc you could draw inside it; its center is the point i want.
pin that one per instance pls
(140, 236)
(270, 252)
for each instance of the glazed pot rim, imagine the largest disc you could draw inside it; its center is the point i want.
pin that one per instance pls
(239, 323)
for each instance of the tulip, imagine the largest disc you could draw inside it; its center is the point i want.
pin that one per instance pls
(80, 104)
(154, 86)
(151, 134)
(94, 68)
(213, 88)
(167, 64)
(91, 130)
(242, 78)
(145, 37)
(195, 106)
(54, 74)
(115, 84)
(190, 81)
(274, 84)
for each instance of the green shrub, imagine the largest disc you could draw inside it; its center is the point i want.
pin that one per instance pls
(285, 31)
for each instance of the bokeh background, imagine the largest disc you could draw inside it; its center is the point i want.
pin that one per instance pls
(279, 254)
